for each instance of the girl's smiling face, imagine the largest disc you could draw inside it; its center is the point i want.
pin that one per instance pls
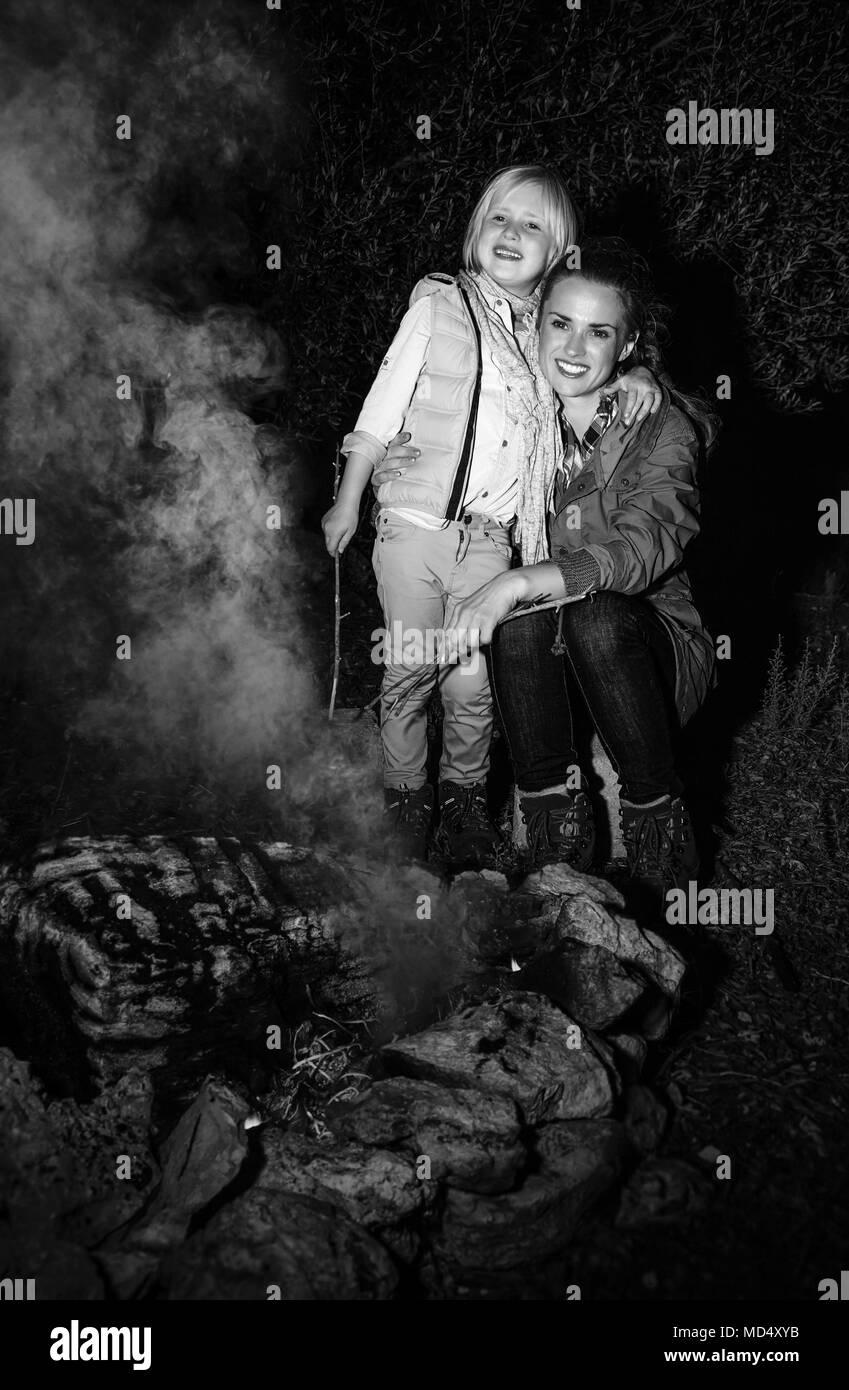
(582, 337)
(515, 241)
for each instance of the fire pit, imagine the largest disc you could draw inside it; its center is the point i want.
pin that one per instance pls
(462, 1152)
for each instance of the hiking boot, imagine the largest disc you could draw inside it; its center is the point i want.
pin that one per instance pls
(560, 828)
(407, 814)
(660, 848)
(465, 828)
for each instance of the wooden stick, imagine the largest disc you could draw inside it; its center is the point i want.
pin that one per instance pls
(337, 616)
(418, 677)
(535, 605)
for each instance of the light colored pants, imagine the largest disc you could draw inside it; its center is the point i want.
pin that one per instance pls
(417, 572)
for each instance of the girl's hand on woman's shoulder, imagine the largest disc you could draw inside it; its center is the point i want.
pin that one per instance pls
(642, 395)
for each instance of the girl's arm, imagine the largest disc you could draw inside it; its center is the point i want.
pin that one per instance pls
(340, 523)
(642, 395)
(379, 421)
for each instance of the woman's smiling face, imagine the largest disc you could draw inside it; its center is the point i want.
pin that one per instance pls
(582, 337)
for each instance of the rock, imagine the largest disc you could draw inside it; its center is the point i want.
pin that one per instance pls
(378, 1189)
(114, 1127)
(485, 880)
(200, 1158)
(582, 920)
(203, 1153)
(656, 1018)
(664, 1192)
(60, 1160)
(587, 981)
(646, 1118)
(630, 1051)
(307, 1249)
(578, 1162)
(556, 881)
(220, 938)
(472, 1139)
(68, 1273)
(519, 1045)
(60, 1188)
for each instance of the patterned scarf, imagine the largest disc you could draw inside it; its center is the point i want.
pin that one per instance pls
(524, 306)
(530, 408)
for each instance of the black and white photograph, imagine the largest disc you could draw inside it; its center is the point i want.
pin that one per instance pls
(424, 671)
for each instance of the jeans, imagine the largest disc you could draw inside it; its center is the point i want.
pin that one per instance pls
(620, 658)
(417, 572)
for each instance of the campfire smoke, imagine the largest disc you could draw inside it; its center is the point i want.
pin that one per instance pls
(138, 408)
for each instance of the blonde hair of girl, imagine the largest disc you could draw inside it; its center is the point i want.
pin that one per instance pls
(557, 204)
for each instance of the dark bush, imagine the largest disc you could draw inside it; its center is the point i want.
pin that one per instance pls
(749, 246)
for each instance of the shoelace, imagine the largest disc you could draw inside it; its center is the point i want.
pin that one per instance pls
(409, 812)
(650, 846)
(465, 808)
(679, 831)
(539, 823)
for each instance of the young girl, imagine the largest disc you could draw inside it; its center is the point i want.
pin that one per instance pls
(456, 380)
(624, 509)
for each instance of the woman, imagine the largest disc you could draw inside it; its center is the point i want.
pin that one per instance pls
(621, 507)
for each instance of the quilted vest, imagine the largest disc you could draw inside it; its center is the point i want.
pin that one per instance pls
(442, 413)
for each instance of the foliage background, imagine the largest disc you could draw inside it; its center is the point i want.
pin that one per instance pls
(749, 246)
(748, 249)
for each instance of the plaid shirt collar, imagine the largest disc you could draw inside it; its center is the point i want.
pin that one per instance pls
(605, 415)
(579, 451)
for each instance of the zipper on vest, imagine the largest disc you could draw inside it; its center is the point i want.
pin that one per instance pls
(461, 477)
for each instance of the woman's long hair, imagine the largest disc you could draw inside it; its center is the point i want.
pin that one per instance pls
(611, 261)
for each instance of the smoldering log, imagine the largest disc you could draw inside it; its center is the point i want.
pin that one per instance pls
(172, 957)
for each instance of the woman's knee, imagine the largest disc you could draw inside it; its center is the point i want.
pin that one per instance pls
(522, 641)
(602, 621)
